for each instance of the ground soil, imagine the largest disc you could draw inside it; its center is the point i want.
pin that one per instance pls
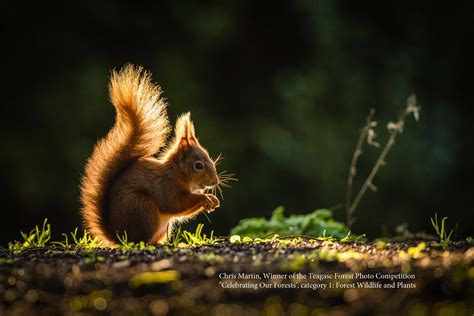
(311, 277)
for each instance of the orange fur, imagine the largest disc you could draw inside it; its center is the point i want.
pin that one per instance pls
(124, 187)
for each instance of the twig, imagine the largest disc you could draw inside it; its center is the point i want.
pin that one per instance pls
(352, 170)
(394, 129)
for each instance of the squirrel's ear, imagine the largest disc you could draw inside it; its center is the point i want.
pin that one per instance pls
(191, 134)
(183, 144)
(185, 129)
(183, 148)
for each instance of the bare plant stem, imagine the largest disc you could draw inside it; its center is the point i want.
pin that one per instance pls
(394, 130)
(368, 182)
(353, 170)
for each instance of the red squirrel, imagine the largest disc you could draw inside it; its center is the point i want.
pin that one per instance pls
(125, 188)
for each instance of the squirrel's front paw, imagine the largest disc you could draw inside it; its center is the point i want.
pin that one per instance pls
(211, 202)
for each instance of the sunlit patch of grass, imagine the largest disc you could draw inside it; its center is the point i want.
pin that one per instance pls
(124, 243)
(86, 241)
(198, 238)
(444, 236)
(176, 238)
(40, 236)
(183, 238)
(37, 237)
(128, 245)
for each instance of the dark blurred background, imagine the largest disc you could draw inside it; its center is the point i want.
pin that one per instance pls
(281, 88)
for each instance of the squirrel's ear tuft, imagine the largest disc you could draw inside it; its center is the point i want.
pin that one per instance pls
(184, 129)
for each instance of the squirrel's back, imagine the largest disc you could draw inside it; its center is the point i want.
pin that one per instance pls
(140, 130)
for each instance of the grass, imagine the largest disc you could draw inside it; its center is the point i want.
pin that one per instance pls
(128, 245)
(124, 243)
(176, 238)
(198, 238)
(316, 226)
(40, 236)
(444, 236)
(86, 241)
(37, 237)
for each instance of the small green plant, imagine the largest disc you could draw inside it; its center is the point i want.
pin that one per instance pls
(349, 237)
(198, 238)
(124, 243)
(182, 237)
(128, 245)
(174, 239)
(444, 237)
(86, 241)
(178, 238)
(64, 243)
(319, 223)
(326, 238)
(38, 237)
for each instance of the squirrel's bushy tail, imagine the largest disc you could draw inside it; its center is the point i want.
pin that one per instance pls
(140, 130)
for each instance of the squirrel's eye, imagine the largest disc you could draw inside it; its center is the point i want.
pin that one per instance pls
(198, 166)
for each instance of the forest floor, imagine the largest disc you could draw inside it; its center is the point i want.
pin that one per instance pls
(294, 277)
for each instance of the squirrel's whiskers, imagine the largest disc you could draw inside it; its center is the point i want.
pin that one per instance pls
(218, 159)
(224, 179)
